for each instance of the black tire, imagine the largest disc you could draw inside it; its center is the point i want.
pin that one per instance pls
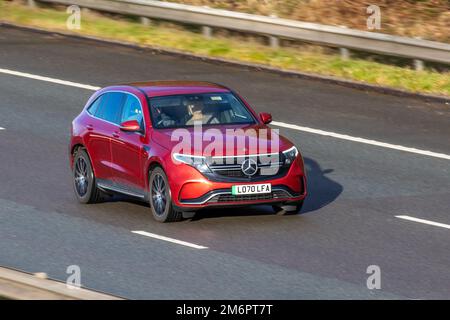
(160, 198)
(288, 209)
(83, 178)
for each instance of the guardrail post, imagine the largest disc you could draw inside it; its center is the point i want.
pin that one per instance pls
(345, 53)
(274, 41)
(31, 3)
(145, 21)
(418, 65)
(207, 32)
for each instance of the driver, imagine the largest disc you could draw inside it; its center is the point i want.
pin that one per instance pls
(196, 113)
(163, 119)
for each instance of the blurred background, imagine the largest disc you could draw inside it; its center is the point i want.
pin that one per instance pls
(429, 19)
(347, 52)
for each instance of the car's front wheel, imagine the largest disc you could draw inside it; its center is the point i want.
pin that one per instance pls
(289, 209)
(84, 184)
(161, 199)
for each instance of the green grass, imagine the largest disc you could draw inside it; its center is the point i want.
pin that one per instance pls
(173, 37)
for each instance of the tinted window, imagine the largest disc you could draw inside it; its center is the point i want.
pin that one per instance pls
(110, 107)
(94, 106)
(207, 108)
(132, 110)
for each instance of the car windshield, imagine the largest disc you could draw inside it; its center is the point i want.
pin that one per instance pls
(208, 108)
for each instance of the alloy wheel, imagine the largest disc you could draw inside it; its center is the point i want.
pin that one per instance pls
(81, 176)
(159, 195)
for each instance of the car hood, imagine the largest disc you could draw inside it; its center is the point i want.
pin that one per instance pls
(266, 139)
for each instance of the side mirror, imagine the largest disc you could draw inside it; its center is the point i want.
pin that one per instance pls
(266, 118)
(130, 126)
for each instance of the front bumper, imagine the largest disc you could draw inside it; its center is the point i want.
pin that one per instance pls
(224, 198)
(191, 190)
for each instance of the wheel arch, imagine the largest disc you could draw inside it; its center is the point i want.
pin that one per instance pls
(150, 166)
(81, 146)
(75, 148)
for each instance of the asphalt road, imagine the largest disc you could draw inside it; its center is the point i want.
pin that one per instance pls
(349, 222)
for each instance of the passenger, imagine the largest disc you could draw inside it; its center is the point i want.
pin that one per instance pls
(196, 113)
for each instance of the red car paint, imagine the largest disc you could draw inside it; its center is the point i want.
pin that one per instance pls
(124, 159)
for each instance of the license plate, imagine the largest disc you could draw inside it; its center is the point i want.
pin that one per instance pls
(251, 189)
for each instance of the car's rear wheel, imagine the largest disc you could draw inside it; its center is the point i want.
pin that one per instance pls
(161, 199)
(84, 184)
(292, 208)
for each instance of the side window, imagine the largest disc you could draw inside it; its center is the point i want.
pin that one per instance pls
(94, 106)
(110, 107)
(132, 110)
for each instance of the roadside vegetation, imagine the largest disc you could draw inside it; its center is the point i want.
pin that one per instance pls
(222, 45)
(428, 19)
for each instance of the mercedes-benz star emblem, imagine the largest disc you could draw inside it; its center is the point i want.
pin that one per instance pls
(249, 167)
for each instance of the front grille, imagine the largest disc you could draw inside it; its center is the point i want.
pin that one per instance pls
(232, 173)
(232, 167)
(278, 194)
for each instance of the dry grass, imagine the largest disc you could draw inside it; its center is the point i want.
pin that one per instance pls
(428, 19)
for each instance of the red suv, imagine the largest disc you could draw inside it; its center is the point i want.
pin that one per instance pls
(182, 146)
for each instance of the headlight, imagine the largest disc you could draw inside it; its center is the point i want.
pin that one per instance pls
(198, 162)
(290, 155)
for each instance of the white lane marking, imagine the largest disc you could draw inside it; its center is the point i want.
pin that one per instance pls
(362, 140)
(276, 123)
(2, 128)
(47, 79)
(183, 243)
(432, 223)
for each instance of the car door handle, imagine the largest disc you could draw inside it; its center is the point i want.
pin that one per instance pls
(90, 127)
(116, 135)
